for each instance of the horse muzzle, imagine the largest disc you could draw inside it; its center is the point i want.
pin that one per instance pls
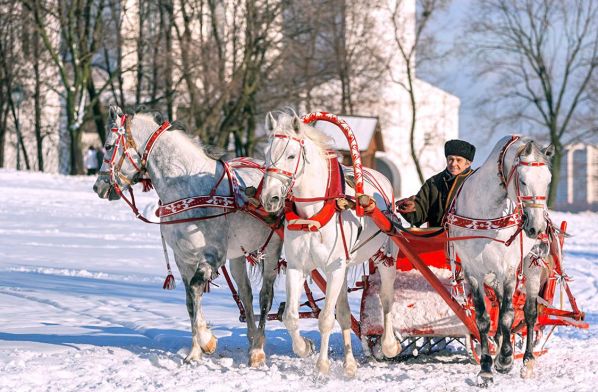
(104, 190)
(534, 227)
(273, 204)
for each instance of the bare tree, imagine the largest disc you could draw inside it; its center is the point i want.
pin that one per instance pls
(227, 49)
(330, 57)
(407, 46)
(11, 63)
(70, 30)
(543, 55)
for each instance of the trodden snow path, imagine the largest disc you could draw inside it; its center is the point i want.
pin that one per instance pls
(81, 308)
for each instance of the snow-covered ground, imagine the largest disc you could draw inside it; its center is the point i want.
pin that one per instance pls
(81, 308)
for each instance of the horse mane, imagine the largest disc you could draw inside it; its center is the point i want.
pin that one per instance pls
(285, 126)
(147, 120)
(536, 154)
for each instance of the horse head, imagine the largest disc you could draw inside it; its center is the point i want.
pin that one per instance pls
(284, 156)
(123, 164)
(531, 181)
(292, 146)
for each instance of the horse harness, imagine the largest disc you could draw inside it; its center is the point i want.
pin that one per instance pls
(335, 200)
(515, 219)
(229, 204)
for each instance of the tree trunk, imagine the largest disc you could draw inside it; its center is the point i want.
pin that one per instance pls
(3, 123)
(413, 103)
(98, 116)
(76, 152)
(556, 174)
(38, 104)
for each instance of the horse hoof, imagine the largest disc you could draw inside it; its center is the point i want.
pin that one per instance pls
(257, 358)
(193, 356)
(307, 351)
(350, 369)
(323, 366)
(391, 350)
(485, 379)
(210, 347)
(504, 367)
(527, 371)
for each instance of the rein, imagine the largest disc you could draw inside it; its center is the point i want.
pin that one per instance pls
(126, 143)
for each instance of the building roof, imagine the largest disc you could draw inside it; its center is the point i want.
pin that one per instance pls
(364, 129)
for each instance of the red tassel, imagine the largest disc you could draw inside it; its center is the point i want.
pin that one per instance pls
(381, 257)
(251, 259)
(169, 283)
(147, 184)
(282, 265)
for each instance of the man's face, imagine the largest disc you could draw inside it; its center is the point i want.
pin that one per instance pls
(456, 164)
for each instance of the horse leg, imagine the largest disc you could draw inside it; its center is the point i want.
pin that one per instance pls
(257, 356)
(294, 284)
(390, 346)
(335, 279)
(483, 324)
(202, 338)
(530, 311)
(239, 272)
(504, 362)
(343, 316)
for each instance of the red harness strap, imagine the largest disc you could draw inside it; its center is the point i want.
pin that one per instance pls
(322, 217)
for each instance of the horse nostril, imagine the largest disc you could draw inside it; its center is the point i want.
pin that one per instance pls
(274, 199)
(532, 231)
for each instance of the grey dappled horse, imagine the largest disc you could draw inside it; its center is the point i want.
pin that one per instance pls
(179, 168)
(516, 174)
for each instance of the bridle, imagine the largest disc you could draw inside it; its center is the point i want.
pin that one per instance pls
(523, 201)
(287, 178)
(126, 146)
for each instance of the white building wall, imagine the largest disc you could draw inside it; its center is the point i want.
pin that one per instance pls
(437, 118)
(578, 186)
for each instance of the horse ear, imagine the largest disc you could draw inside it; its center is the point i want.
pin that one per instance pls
(296, 124)
(270, 122)
(549, 151)
(158, 118)
(528, 149)
(114, 111)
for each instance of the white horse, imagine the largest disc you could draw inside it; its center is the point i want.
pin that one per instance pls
(511, 185)
(296, 161)
(180, 169)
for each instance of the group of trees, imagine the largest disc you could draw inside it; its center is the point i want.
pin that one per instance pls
(221, 64)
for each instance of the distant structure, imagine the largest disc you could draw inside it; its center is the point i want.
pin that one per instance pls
(386, 132)
(578, 186)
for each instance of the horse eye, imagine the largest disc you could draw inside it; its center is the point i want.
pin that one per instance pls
(291, 157)
(523, 183)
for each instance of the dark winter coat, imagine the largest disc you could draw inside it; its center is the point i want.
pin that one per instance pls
(434, 198)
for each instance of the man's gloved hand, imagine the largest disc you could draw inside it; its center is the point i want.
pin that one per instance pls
(406, 205)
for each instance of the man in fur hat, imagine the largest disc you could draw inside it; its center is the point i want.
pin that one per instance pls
(435, 196)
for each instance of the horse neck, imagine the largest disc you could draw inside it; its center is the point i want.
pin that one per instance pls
(179, 168)
(483, 195)
(313, 182)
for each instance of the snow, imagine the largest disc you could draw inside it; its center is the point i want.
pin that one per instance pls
(81, 308)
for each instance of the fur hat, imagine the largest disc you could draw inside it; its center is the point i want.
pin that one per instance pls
(460, 148)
